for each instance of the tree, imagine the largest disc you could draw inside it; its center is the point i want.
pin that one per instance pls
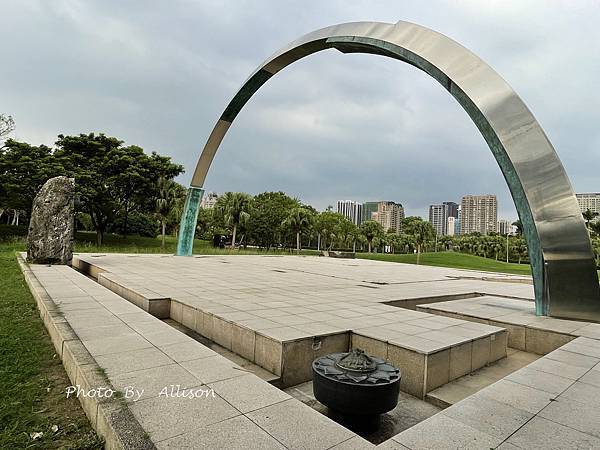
(7, 125)
(346, 232)
(177, 207)
(420, 231)
(371, 229)
(328, 227)
(393, 240)
(588, 216)
(109, 176)
(23, 171)
(595, 227)
(165, 201)
(299, 220)
(234, 207)
(268, 211)
(136, 186)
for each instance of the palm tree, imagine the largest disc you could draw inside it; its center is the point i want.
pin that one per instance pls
(371, 230)
(234, 207)
(299, 220)
(178, 206)
(393, 239)
(165, 201)
(420, 233)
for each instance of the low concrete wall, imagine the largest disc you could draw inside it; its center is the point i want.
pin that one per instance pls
(520, 337)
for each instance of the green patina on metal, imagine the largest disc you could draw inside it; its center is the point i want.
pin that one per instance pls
(351, 44)
(250, 87)
(189, 218)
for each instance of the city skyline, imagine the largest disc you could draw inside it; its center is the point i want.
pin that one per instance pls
(449, 212)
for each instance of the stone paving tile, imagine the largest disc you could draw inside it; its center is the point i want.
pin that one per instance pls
(286, 333)
(115, 330)
(592, 377)
(117, 363)
(488, 416)
(518, 396)
(213, 368)
(164, 337)
(443, 432)
(574, 359)
(548, 382)
(166, 417)
(584, 346)
(584, 417)
(248, 393)
(153, 380)
(358, 443)
(507, 446)
(558, 368)
(186, 351)
(299, 427)
(542, 434)
(583, 393)
(107, 345)
(238, 433)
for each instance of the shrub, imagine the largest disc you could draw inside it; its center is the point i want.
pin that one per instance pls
(140, 224)
(10, 232)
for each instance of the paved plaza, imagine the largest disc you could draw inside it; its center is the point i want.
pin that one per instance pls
(107, 321)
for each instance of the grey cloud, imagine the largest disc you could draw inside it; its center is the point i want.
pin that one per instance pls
(332, 126)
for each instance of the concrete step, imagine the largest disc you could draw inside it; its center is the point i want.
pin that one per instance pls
(467, 385)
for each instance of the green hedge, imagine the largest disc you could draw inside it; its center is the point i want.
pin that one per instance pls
(10, 232)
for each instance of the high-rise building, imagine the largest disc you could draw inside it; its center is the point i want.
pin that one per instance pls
(451, 209)
(505, 227)
(589, 201)
(368, 209)
(208, 200)
(479, 214)
(389, 215)
(438, 219)
(439, 214)
(451, 226)
(350, 209)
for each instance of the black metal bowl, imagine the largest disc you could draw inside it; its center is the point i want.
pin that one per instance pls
(366, 386)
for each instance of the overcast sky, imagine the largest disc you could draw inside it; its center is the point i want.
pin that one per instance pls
(332, 126)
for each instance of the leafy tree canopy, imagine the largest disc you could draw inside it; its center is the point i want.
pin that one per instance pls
(268, 211)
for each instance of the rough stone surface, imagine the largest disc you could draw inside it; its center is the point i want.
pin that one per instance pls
(51, 228)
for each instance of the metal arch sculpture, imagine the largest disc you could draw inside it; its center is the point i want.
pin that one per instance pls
(564, 272)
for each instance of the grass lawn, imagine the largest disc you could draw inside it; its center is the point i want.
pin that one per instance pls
(452, 259)
(32, 378)
(86, 242)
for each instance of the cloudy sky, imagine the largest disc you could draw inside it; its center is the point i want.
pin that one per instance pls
(332, 126)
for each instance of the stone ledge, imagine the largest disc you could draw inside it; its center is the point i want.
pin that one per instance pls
(110, 418)
(526, 331)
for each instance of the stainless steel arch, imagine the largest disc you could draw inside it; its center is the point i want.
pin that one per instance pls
(565, 278)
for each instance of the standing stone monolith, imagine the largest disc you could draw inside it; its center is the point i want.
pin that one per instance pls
(51, 228)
